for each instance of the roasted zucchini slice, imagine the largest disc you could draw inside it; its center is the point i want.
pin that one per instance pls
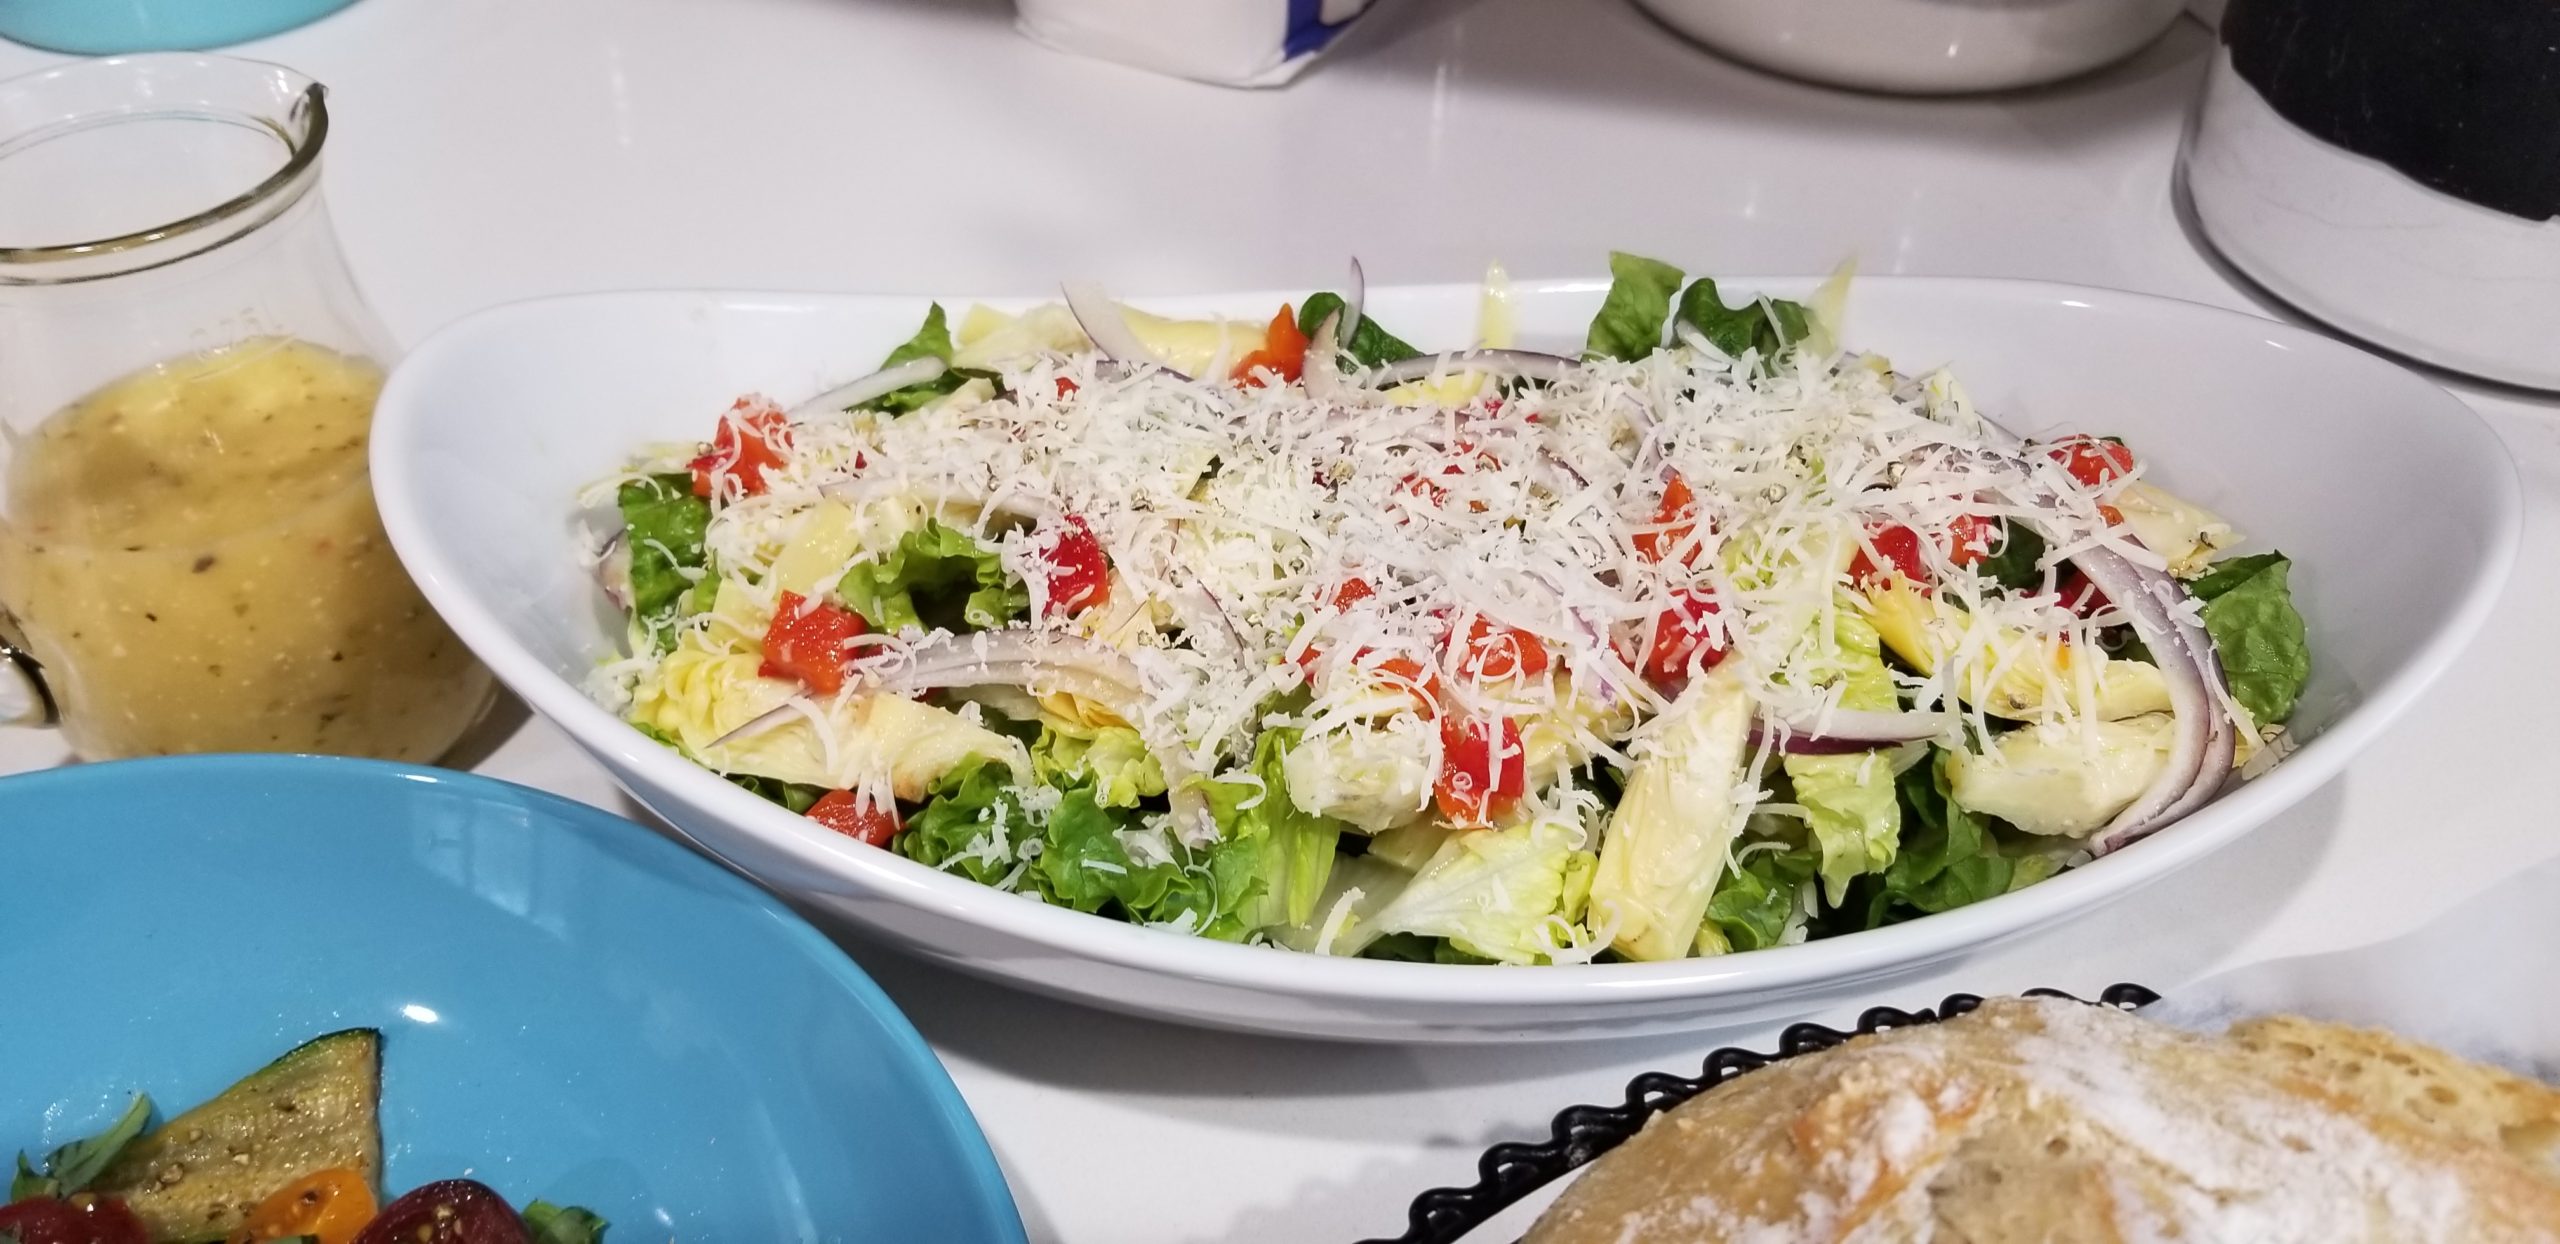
(318, 1106)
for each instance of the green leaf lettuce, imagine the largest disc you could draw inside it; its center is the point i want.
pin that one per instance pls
(1630, 323)
(937, 576)
(2266, 652)
(663, 524)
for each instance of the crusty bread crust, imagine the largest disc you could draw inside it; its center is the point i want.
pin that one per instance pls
(2032, 1120)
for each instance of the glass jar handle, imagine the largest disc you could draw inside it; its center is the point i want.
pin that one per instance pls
(25, 699)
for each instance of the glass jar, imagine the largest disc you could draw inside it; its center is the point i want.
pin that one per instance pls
(189, 555)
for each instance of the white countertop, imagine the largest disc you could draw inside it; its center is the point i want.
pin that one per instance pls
(488, 150)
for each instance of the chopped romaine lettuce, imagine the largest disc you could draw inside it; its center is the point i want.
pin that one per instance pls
(1849, 801)
(1292, 850)
(976, 823)
(1495, 893)
(1950, 857)
(662, 526)
(1768, 326)
(1341, 922)
(2266, 653)
(1629, 325)
(797, 796)
(1112, 760)
(938, 577)
(933, 340)
(1757, 900)
(1415, 948)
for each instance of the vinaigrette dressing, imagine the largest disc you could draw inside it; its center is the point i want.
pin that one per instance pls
(194, 548)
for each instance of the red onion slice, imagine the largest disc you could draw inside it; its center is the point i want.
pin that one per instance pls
(1522, 364)
(1102, 322)
(1846, 730)
(1042, 662)
(1358, 299)
(2201, 747)
(2161, 612)
(613, 570)
(880, 383)
(758, 724)
(938, 494)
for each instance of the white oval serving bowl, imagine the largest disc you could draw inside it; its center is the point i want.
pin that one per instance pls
(2399, 506)
(1922, 47)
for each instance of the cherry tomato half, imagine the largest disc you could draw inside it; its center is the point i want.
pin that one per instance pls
(753, 437)
(332, 1205)
(857, 816)
(1079, 572)
(1483, 770)
(76, 1219)
(807, 641)
(450, 1211)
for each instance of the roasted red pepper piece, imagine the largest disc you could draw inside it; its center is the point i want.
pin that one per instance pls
(807, 641)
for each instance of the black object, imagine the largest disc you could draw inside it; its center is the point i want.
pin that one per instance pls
(2460, 95)
(1508, 1172)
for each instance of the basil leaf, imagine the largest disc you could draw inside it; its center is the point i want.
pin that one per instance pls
(1370, 345)
(2265, 649)
(75, 1166)
(562, 1224)
(1630, 323)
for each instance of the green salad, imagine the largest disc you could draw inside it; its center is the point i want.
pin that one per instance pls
(1712, 636)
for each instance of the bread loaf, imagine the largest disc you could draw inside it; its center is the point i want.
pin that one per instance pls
(2036, 1120)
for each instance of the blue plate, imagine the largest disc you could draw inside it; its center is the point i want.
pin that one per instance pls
(573, 1007)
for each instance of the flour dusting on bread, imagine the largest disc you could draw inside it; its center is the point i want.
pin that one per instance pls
(2037, 1120)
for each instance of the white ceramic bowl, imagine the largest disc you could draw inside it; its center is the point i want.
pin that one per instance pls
(2399, 505)
(1922, 47)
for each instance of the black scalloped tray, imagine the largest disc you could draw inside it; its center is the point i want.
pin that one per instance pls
(1508, 1172)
